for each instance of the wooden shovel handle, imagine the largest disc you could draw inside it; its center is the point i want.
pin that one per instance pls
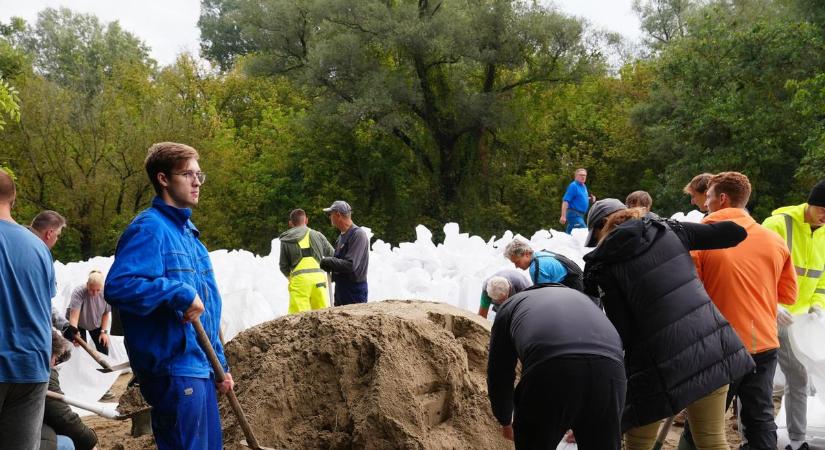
(97, 356)
(220, 376)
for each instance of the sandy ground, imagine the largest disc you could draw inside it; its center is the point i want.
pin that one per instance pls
(392, 375)
(114, 435)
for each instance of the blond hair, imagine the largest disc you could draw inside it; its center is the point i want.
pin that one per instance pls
(95, 278)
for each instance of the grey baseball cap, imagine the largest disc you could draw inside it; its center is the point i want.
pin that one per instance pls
(339, 206)
(596, 216)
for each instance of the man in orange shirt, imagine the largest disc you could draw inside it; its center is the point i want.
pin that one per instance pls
(746, 282)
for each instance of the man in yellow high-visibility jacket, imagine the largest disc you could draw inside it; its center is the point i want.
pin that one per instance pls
(302, 249)
(802, 228)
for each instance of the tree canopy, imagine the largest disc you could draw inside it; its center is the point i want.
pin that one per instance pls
(413, 111)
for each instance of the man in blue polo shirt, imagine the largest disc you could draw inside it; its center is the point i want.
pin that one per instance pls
(26, 290)
(575, 202)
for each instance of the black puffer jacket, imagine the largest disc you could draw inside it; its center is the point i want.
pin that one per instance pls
(678, 346)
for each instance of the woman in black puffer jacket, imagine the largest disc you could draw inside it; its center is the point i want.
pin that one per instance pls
(679, 350)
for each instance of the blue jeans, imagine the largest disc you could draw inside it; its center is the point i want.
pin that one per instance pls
(575, 219)
(64, 443)
(184, 412)
(21, 414)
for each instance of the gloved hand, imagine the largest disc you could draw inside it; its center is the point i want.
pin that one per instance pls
(70, 332)
(783, 317)
(326, 264)
(816, 309)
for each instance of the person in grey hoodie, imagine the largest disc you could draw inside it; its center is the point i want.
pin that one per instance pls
(302, 249)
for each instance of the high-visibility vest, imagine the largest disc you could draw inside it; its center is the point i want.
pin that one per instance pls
(807, 253)
(308, 263)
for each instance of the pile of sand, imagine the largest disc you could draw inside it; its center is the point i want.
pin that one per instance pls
(387, 375)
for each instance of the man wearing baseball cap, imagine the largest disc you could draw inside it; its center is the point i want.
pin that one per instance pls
(351, 260)
(801, 228)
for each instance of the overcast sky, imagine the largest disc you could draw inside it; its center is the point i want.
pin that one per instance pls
(169, 27)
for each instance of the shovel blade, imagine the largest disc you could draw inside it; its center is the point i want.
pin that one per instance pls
(115, 368)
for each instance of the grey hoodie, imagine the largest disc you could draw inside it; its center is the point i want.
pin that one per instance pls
(291, 252)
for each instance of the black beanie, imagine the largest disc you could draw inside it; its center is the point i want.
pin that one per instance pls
(817, 197)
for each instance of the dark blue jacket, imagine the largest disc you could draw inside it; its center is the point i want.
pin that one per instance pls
(160, 264)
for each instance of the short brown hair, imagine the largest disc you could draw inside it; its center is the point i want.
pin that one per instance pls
(618, 218)
(164, 157)
(733, 184)
(297, 215)
(639, 199)
(699, 184)
(48, 220)
(7, 189)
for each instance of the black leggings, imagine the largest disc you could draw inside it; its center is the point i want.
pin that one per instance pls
(96, 338)
(584, 393)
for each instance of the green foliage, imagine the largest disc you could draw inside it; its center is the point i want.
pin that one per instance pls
(414, 112)
(431, 80)
(720, 102)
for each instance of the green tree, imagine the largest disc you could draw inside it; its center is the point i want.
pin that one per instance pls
(720, 101)
(434, 77)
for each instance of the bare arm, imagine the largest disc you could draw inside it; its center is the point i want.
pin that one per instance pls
(74, 317)
(563, 218)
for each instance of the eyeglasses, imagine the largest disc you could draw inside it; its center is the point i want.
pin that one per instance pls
(201, 176)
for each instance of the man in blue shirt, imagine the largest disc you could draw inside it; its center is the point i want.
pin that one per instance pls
(162, 280)
(26, 290)
(575, 202)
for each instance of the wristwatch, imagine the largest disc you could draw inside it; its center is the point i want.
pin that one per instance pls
(104, 331)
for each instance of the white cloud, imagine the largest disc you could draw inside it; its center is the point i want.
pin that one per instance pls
(167, 27)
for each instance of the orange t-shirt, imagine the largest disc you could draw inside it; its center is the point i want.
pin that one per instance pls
(747, 281)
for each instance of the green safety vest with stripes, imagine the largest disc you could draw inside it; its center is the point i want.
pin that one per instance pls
(807, 253)
(308, 263)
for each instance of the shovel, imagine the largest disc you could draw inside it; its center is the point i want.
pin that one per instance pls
(105, 366)
(329, 291)
(100, 411)
(220, 376)
(660, 439)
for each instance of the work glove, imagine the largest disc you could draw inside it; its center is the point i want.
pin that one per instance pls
(818, 311)
(783, 317)
(70, 332)
(326, 264)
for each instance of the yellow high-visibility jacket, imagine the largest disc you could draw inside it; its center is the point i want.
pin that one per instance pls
(807, 253)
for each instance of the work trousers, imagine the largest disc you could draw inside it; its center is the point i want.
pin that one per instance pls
(707, 419)
(95, 338)
(755, 393)
(584, 393)
(308, 292)
(21, 414)
(575, 219)
(184, 412)
(796, 388)
(350, 292)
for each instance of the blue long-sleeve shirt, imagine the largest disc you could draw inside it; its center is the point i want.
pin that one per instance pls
(160, 265)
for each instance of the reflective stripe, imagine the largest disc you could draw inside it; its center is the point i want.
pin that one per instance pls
(308, 263)
(298, 272)
(810, 273)
(819, 291)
